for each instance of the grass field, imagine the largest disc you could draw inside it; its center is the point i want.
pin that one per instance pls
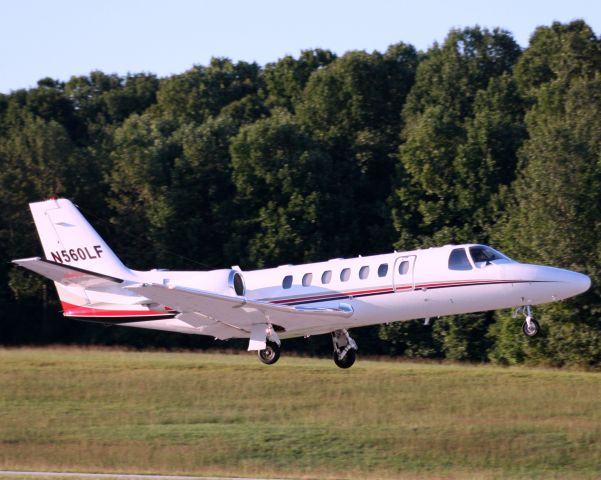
(207, 414)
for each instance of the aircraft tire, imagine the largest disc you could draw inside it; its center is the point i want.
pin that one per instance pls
(533, 331)
(348, 360)
(271, 354)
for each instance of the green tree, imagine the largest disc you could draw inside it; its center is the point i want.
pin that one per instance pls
(285, 79)
(559, 53)
(202, 194)
(463, 125)
(282, 181)
(202, 92)
(352, 107)
(142, 161)
(554, 219)
(47, 101)
(102, 102)
(451, 75)
(37, 161)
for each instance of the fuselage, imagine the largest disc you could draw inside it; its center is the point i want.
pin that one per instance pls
(398, 286)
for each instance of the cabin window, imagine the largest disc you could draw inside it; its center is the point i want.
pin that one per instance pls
(287, 282)
(404, 267)
(345, 275)
(326, 276)
(307, 279)
(382, 270)
(363, 272)
(458, 260)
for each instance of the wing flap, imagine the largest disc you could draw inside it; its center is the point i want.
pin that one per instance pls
(67, 275)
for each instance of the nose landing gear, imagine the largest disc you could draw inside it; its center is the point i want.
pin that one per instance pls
(345, 349)
(530, 327)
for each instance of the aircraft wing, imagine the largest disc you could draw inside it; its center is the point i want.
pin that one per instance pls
(237, 312)
(67, 275)
(196, 307)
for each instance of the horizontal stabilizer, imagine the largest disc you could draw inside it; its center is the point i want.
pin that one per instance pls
(67, 275)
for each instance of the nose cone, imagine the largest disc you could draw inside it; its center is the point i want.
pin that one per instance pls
(580, 282)
(565, 282)
(538, 284)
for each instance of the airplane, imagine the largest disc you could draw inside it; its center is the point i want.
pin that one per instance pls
(268, 305)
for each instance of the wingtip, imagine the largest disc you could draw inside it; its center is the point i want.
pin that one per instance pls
(19, 261)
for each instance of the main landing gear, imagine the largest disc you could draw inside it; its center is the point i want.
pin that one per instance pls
(530, 327)
(345, 349)
(265, 341)
(270, 354)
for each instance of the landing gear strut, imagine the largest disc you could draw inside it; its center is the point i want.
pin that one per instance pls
(345, 349)
(270, 354)
(530, 327)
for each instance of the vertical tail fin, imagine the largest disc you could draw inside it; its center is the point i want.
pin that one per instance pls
(68, 238)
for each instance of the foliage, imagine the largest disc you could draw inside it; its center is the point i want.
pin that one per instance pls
(281, 177)
(555, 213)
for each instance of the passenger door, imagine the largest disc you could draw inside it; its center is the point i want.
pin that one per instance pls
(403, 277)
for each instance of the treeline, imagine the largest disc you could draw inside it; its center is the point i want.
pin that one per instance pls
(474, 140)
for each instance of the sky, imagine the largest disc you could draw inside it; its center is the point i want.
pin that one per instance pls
(62, 38)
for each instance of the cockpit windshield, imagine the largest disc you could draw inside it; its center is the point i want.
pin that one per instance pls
(482, 254)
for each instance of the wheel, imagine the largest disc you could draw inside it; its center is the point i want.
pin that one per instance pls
(531, 331)
(271, 354)
(348, 360)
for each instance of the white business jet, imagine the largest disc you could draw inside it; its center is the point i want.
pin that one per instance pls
(268, 305)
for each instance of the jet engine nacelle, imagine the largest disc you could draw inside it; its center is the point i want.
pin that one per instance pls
(224, 282)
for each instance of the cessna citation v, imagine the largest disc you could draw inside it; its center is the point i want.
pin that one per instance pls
(268, 305)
